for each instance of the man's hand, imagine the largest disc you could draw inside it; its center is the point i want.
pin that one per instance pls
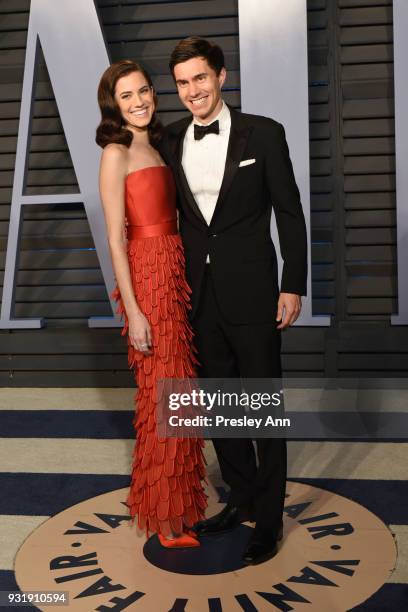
(289, 307)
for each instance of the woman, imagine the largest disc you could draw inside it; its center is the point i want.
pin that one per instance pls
(138, 196)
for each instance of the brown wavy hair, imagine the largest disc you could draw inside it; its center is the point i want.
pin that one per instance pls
(112, 126)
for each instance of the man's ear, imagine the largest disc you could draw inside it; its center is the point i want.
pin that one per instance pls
(222, 76)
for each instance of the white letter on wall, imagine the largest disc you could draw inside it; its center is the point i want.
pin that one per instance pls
(401, 154)
(76, 56)
(274, 83)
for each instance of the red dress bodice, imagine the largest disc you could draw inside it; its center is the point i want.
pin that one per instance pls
(150, 202)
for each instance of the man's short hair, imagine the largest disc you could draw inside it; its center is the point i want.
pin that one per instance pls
(194, 46)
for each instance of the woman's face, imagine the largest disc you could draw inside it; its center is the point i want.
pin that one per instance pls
(134, 97)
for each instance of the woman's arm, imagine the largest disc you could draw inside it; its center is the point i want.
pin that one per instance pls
(113, 170)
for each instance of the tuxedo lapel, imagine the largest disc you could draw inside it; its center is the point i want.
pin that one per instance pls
(237, 141)
(236, 145)
(185, 187)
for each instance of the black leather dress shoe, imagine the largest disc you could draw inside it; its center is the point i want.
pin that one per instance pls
(229, 518)
(260, 550)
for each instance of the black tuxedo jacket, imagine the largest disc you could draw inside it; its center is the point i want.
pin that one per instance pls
(238, 240)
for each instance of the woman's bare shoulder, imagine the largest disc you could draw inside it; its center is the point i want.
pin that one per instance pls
(115, 157)
(115, 152)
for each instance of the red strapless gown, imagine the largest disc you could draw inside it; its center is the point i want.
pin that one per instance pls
(166, 492)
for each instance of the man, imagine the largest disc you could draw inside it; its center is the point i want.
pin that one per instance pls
(231, 168)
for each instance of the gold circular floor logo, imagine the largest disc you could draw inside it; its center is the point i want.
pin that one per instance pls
(334, 555)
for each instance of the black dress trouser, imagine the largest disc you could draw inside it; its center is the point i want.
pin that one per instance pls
(244, 351)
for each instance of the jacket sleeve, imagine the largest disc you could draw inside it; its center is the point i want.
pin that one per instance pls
(165, 150)
(163, 146)
(289, 215)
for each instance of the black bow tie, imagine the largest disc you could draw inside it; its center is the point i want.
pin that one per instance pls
(202, 130)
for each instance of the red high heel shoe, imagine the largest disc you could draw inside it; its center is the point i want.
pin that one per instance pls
(183, 541)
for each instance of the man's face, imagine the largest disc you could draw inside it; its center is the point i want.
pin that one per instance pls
(199, 87)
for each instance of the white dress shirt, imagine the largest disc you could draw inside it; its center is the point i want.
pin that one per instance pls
(204, 162)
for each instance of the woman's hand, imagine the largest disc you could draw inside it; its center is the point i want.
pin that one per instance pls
(140, 334)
